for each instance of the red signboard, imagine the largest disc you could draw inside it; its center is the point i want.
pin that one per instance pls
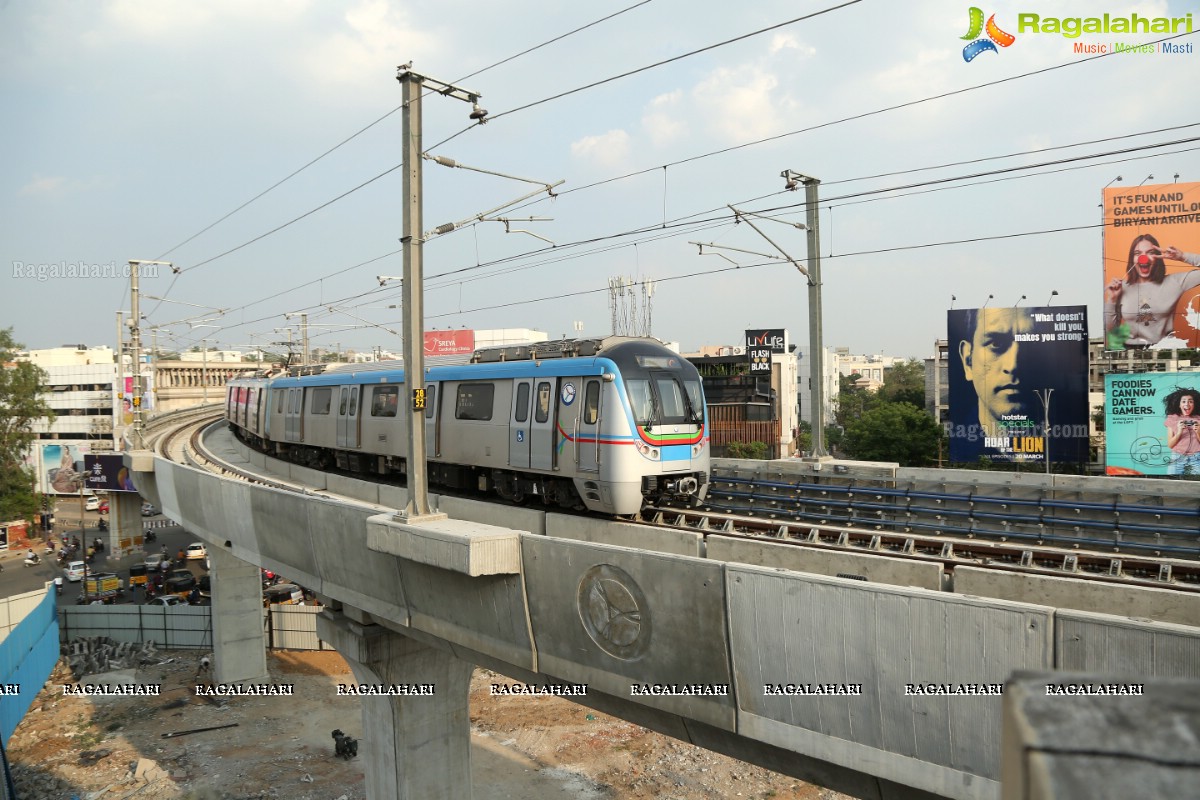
(449, 343)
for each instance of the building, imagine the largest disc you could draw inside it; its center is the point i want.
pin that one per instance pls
(82, 388)
(871, 369)
(213, 356)
(830, 388)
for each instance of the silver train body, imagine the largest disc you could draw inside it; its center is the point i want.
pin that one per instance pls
(609, 424)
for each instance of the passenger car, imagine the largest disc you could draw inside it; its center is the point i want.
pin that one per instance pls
(155, 561)
(196, 550)
(92, 503)
(168, 600)
(148, 510)
(73, 571)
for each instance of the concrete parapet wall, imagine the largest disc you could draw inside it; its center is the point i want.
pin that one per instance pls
(1134, 648)
(793, 628)
(623, 534)
(366, 491)
(613, 617)
(532, 520)
(875, 568)
(1163, 605)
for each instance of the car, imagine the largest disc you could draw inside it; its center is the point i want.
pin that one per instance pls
(283, 594)
(155, 561)
(103, 507)
(92, 503)
(196, 550)
(168, 600)
(204, 584)
(74, 570)
(148, 510)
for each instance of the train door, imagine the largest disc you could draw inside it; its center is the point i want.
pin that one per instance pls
(293, 430)
(587, 439)
(347, 418)
(541, 430)
(433, 421)
(519, 425)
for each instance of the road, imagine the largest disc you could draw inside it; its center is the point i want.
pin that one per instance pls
(17, 578)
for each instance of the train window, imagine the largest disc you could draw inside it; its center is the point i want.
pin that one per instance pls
(670, 397)
(321, 400)
(342, 402)
(591, 403)
(430, 399)
(353, 400)
(543, 403)
(474, 401)
(293, 394)
(522, 412)
(384, 400)
(641, 401)
(696, 396)
(279, 402)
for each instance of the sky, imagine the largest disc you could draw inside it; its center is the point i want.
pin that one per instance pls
(132, 126)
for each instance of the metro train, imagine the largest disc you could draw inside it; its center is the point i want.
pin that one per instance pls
(607, 424)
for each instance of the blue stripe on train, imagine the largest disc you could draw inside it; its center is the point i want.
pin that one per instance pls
(676, 452)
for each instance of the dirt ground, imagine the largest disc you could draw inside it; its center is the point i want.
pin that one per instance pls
(281, 747)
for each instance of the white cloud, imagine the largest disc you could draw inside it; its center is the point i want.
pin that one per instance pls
(43, 186)
(741, 103)
(375, 34)
(608, 150)
(788, 41)
(662, 119)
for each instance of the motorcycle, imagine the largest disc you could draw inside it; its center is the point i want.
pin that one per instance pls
(32, 560)
(58, 585)
(150, 536)
(98, 546)
(101, 525)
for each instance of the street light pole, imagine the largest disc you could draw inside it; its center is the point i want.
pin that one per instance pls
(815, 340)
(1044, 396)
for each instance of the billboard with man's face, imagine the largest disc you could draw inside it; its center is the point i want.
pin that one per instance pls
(1152, 423)
(1151, 255)
(1018, 384)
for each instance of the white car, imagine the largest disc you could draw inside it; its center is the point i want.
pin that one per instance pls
(73, 571)
(156, 561)
(92, 503)
(168, 600)
(196, 550)
(148, 510)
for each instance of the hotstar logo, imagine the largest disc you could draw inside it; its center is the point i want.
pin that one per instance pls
(995, 36)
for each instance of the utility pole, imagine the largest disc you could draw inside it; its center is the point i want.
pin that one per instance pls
(135, 336)
(120, 385)
(304, 338)
(1044, 396)
(412, 85)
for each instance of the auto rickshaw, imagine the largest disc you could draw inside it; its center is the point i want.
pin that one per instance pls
(137, 575)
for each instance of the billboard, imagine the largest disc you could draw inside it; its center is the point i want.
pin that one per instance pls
(62, 468)
(107, 473)
(449, 343)
(1151, 251)
(760, 344)
(1152, 423)
(1018, 384)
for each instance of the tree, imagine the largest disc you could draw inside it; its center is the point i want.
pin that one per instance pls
(21, 404)
(905, 383)
(899, 432)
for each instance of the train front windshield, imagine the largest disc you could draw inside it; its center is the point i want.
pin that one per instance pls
(665, 398)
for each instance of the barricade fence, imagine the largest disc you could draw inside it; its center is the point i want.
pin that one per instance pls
(286, 627)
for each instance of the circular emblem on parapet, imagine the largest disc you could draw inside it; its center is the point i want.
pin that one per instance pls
(614, 611)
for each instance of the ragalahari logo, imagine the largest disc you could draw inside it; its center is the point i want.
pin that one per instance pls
(995, 36)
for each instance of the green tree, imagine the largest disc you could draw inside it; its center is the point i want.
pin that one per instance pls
(905, 383)
(899, 432)
(21, 404)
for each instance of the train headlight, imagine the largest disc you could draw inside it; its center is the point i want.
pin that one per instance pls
(648, 451)
(697, 449)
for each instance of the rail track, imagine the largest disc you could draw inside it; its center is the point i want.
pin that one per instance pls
(184, 441)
